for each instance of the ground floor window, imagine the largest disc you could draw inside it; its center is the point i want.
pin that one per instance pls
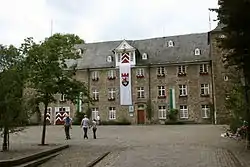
(94, 113)
(183, 111)
(162, 112)
(205, 111)
(112, 113)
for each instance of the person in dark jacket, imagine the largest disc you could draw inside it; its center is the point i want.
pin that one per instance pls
(67, 126)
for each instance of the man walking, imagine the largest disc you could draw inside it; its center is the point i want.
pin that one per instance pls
(67, 126)
(85, 126)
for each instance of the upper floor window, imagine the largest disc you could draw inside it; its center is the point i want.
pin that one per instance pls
(140, 92)
(95, 95)
(111, 93)
(170, 44)
(197, 52)
(62, 97)
(95, 76)
(203, 68)
(183, 90)
(181, 70)
(160, 71)
(111, 74)
(204, 89)
(140, 73)
(161, 91)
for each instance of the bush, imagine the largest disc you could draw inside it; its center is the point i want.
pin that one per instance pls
(78, 118)
(172, 115)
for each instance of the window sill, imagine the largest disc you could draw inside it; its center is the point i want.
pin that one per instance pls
(160, 75)
(202, 95)
(161, 97)
(182, 74)
(111, 99)
(203, 73)
(183, 96)
(140, 76)
(111, 78)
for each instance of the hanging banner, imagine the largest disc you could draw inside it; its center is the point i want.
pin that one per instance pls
(125, 81)
(172, 104)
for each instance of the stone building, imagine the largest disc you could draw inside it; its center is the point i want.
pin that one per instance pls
(180, 72)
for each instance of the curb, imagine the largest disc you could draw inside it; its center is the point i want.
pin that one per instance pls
(32, 157)
(98, 159)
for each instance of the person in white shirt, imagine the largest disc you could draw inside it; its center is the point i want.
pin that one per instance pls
(85, 126)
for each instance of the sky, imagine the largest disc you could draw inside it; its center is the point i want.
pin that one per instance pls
(103, 20)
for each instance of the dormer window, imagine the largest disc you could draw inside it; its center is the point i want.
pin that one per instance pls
(170, 44)
(144, 56)
(109, 59)
(197, 52)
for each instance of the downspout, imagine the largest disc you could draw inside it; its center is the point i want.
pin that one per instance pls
(213, 82)
(88, 71)
(149, 90)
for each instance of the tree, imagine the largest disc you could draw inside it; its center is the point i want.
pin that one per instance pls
(235, 16)
(51, 70)
(12, 78)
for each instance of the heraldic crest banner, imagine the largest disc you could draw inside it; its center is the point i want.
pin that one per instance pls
(125, 84)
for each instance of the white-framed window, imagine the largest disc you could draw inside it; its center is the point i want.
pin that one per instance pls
(204, 68)
(112, 113)
(161, 91)
(205, 111)
(162, 112)
(144, 56)
(95, 94)
(204, 89)
(197, 52)
(95, 113)
(183, 111)
(111, 73)
(95, 75)
(62, 97)
(170, 44)
(183, 90)
(111, 92)
(62, 109)
(160, 70)
(140, 72)
(131, 57)
(140, 92)
(109, 59)
(182, 69)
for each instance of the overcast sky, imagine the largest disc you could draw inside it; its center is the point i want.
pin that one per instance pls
(102, 20)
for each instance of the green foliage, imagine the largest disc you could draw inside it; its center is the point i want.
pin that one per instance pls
(50, 71)
(235, 16)
(12, 78)
(78, 118)
(173, 115)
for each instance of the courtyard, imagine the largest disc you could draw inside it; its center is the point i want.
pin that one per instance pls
(147, 146)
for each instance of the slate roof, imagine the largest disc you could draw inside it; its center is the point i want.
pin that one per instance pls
(95, 54)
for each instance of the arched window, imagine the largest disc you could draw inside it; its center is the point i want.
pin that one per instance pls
(170, 44)
(197, 52)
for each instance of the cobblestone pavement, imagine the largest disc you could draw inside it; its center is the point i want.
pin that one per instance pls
(146, 146)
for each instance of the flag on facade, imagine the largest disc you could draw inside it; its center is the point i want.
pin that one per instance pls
(79, 103)
(172, 99)
(125, 81)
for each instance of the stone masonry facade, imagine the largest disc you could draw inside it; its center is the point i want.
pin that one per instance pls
(189, 63)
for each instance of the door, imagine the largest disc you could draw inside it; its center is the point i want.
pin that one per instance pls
(141, 116)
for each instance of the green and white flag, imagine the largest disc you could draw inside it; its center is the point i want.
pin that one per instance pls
(172, 99)
(79, 103)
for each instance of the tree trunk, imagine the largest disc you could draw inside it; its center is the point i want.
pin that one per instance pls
(44, 124)
(5, 138)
